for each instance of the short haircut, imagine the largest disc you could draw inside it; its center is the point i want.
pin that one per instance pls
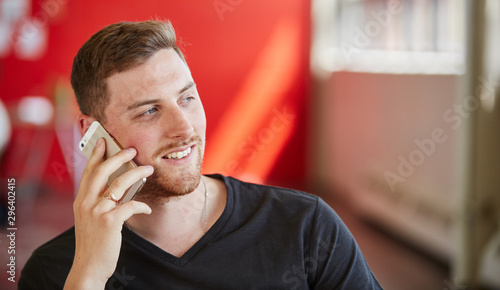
(115, 48)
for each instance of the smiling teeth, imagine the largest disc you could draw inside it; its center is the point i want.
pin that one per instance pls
(179, 155)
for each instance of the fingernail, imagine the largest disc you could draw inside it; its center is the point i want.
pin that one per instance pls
(130, 150)
(149, 168)
(99, 142)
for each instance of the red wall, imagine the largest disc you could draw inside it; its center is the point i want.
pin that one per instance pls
(249, 59)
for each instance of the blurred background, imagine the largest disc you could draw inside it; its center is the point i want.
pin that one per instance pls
(387, 109)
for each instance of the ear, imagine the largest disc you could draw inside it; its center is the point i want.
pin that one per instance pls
(84, 123)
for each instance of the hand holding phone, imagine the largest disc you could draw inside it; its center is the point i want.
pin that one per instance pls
(99, 221)
(87, 144)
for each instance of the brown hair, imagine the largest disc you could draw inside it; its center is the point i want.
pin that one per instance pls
(115, 48)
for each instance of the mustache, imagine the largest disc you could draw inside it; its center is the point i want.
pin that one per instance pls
(163, 150)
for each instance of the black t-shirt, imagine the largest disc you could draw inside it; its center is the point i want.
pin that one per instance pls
(266, 238)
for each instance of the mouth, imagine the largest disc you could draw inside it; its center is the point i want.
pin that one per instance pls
(178, 154)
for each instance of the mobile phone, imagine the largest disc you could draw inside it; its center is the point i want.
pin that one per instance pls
(87, 144)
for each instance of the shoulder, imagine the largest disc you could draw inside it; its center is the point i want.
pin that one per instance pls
(253, 190)
(59, 246)
(50, 263)
(65, 240)
(285, 203)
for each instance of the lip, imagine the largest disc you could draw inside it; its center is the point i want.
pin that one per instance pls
(180, 149)
(186, 159)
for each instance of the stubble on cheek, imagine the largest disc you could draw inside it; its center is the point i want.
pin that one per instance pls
(161, 185)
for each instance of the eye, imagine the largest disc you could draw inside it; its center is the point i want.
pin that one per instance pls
(188, 99)
(150, 111)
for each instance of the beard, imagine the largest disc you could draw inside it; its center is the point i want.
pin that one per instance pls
(161, 186)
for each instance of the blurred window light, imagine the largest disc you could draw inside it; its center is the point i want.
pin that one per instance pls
(13, 10)
(5, 128)
(11, 13)
(389, 36)
(35, 110)
(5, 37)
(492, 57)
(32, 40)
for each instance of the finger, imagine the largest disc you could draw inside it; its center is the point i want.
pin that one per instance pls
(120, 185)
(120, 214)
(130, 208)
(109, 195)
(127, 179)
(107, 167)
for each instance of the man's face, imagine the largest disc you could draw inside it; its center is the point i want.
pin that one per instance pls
(156, 109)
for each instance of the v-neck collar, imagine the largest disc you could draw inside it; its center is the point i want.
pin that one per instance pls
(157, 253)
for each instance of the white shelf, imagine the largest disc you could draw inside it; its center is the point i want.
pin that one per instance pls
(385, 61)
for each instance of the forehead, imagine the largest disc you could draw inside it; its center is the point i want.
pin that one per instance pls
(165, 71)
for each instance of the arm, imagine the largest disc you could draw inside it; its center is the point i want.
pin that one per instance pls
(98, 221)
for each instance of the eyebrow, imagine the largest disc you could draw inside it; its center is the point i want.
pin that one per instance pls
(187, 87)
(152, 101)
(142, 103)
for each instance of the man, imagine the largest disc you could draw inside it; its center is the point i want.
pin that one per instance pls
(183, 230)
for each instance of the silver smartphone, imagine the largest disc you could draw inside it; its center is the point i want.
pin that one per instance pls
(86, 145)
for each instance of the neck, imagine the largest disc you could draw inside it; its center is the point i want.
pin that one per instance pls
(177, 215)
(177, 225)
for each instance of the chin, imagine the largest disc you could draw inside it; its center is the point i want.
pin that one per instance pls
(160, 188)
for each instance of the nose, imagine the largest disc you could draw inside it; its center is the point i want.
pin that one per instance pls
(178, 124)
